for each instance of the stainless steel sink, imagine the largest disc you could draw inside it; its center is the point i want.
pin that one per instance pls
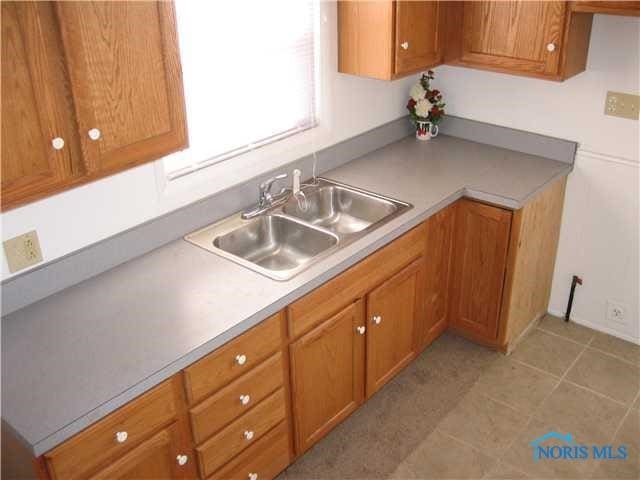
(299, 231)
(343, 210)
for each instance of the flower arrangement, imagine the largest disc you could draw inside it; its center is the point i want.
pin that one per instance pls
(426, 107)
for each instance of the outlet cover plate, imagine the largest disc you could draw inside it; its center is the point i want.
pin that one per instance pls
(22, 251)
(622, 105)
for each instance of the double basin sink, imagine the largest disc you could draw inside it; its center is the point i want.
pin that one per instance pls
(299, 230)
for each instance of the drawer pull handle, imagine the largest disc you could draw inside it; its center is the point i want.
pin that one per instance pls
(241, 359)
(405, 45)
(58, 143)
(361, 330)
(94, 134)
(551, 47)
(252, 476)
(121, 437)
(182, 459)
(248, 435)
(245, 399)
(377, 319)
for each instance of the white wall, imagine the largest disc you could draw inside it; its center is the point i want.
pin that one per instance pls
(85, 215)
(599, 235)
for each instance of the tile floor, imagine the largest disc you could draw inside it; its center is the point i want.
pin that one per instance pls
(461, 411)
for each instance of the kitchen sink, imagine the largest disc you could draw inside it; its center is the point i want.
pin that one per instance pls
(343, 210)
(302, 229)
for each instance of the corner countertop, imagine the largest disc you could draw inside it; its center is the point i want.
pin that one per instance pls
(74, 357)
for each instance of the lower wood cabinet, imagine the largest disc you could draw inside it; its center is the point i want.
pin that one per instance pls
(248, 409)
(393, 310)
(480, 246)
(327, 374)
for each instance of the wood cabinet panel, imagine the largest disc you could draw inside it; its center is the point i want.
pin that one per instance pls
(514, 34)
(327, 375)
(126, 79)
(419, 28)
(97, 444)
(154, 458)
(481, 241)
(222, 366)
(233, 439)
(36, 105)
(347, 287)
(227, 404)
(628, 7)
(439, 233)
(393, 310)
(266, 458)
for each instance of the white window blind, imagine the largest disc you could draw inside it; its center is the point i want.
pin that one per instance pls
(249, 76)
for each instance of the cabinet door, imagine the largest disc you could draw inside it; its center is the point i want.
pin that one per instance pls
(418, 35)
(439, 234)
(481, 241)
(35, 105)
(327, 374)
(518, 36)
(155, 458)
(393, 310)
(126, 81)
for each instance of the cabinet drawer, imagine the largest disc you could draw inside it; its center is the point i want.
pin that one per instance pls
(266, 458)
(233, 439)
(333, 296)
(225, 364)
(237, 398)
(98, 443)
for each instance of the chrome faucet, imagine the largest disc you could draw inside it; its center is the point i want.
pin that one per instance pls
(267, 199)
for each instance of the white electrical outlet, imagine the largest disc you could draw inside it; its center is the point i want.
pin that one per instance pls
(22, 251)
(615, 312)
(625, 105)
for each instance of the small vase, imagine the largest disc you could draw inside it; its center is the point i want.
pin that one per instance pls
(425, 130)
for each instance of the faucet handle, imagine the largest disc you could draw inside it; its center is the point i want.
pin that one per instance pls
(265, 186)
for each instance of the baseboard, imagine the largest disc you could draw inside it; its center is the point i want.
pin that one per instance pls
(599, 328)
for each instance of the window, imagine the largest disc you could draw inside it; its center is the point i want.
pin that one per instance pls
(249, 76)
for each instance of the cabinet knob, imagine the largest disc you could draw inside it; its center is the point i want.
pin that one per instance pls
(405, 45)
(58, 143)
(248, 434)
(377, 319)
(121, 437)
(182, 459)
(551, 47)
(361, 330)
(252, 476)
(94, 134)
(241, 359)
(245, 399)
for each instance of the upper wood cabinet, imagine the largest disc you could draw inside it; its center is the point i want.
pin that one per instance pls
(628, 7)
(480, 247)
(387, 40)
(88, 89)
(540, 39)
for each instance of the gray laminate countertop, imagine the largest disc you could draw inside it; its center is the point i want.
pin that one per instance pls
(77, 355)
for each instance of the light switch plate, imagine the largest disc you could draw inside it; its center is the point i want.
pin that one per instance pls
(622, 105)
(22, 251)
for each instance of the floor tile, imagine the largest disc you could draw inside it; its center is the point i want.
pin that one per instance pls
(629, 435)
(589, 417)
(484, 423)
(521, 455)
(502, 471)
(442, 457)
(570, 330)
(551, 353)
(636, 405)
(515, 384)
(607, 375)
(621, 348)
